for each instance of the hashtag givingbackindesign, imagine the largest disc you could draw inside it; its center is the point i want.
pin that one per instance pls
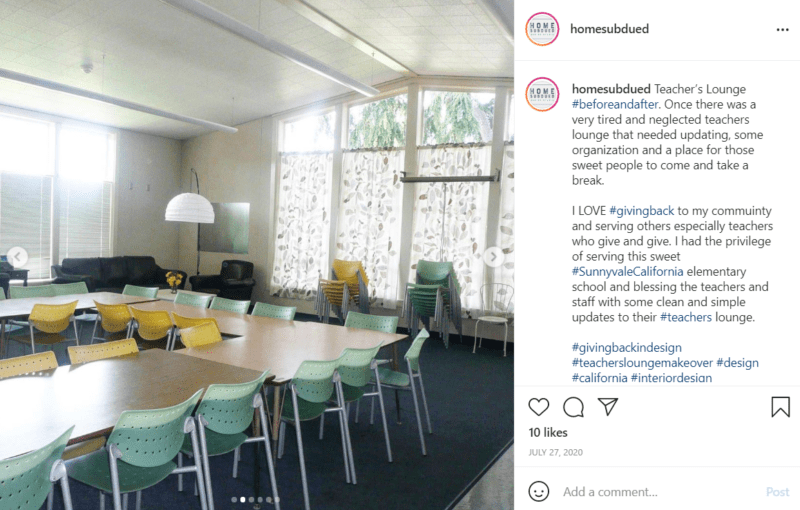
(575, 271)
(576, 103)
(613, 209)
(575, 347)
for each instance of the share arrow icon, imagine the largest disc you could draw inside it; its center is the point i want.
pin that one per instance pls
(608, 403)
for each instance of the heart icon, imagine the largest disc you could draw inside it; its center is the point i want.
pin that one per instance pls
(539, 405)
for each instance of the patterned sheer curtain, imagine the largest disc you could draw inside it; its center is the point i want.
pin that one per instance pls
(505, 273)
(370, 209)
(462, 213)
(302, 229)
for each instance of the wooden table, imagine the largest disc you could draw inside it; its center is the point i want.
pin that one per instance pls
(91, 396)
(23, 306)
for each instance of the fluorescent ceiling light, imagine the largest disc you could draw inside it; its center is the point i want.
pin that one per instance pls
(238, 28)
(75, 91)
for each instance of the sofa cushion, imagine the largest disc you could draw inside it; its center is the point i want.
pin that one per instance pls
(141, 270)
(115, 272)
(83, 266)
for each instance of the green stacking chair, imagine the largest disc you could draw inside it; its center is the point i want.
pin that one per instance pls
(27, 480)
(426, 302)
(383, 323)
(135, 290)
(140, 453)
(274, 311)
(184, 298)
(311, 389)
(31, 292)
(358, 369)
(229, 305)
(443, 274)
(223, 416)
(399, 381)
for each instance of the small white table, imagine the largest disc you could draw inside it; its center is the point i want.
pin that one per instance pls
(167, 295)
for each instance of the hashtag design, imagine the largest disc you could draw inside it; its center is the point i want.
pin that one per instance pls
(635, 377)
(575, 103)
(664, 316)
(719, 362)
(613, 209)
(575, 347)
(576, 361)
(575, 271)
(575, 377)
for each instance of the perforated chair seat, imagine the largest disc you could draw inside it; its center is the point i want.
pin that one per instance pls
(392, 378)
(93, 470)
(217, 444)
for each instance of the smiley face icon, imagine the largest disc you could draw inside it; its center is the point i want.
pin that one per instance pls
(538, 491)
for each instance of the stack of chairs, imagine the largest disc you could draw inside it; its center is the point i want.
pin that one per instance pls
(347, 288)
(436, 294)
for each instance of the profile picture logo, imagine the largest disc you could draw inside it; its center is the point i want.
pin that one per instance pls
(542, 94)
(542, 29)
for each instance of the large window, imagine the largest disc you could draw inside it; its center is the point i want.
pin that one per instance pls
(302, 230)
(31, 184)
(457, 117)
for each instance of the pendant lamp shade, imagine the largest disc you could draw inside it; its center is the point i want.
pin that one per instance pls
(190, 207)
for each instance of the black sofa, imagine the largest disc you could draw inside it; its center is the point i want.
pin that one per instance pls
(234, 281)
(111, 274)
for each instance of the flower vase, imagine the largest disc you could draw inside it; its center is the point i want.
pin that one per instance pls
(174, 289)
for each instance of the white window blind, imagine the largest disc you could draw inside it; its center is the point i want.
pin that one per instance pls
(25, 215)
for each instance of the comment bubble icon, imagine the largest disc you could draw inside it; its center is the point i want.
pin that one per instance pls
(573, 407)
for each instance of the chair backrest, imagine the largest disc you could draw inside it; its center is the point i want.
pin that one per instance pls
(94, 352)
(348, 270)
(135, 290)
(274, 311)
(25, 480)
(229, 305)
(384, 323)
(423, 298)
(355, 365)
(412, 354)
(62, 289)
(35, 291)
(153, 437)
(184, 298)
(313, 380)
(30, 364)
(434, 272)
(228, 408)
(496, 299)
(151, 324)
(113, 318)
(236, 270)
(52, 318)
(202, 334)
(182, 322)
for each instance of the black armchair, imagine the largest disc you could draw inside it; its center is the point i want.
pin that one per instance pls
(5, 278)
(235, 281)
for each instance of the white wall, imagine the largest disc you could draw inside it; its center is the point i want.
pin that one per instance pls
(148, 176)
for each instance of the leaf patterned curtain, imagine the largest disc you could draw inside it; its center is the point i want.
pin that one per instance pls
(505, 273)
(302, 227)
(463, 214)
(369, 219)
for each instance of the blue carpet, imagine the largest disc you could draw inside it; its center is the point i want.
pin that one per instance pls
(471, 404)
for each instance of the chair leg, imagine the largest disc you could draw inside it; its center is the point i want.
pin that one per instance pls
(206, 469)
(138, 500)
(344, 449)
(236, 454)
(50, 499)
(419, 419)
(125, 501)
(424, 402)
(102, 501)
(475, 344)
(385, 425)
(300, 451)
(270, 465)
(358, 408)
(199, 471)
(346, 431)
(372, 412)
(77, 337)
(505, 338)
(321, 426)
(281, 439)
(94, 329)
(180, 476)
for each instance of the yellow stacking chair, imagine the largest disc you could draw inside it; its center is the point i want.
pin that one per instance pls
(48, 324)
(200, 335)
(86, 353)
(332, 295)
(152, 325)
(352, 272)
(112, 319)
(182, 322)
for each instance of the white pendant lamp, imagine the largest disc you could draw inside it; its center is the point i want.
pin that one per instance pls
(191, 208)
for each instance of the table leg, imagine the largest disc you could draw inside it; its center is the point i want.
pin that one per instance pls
(276, 419)
(256, 460)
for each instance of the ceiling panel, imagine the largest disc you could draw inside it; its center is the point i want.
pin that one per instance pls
(151, 53)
